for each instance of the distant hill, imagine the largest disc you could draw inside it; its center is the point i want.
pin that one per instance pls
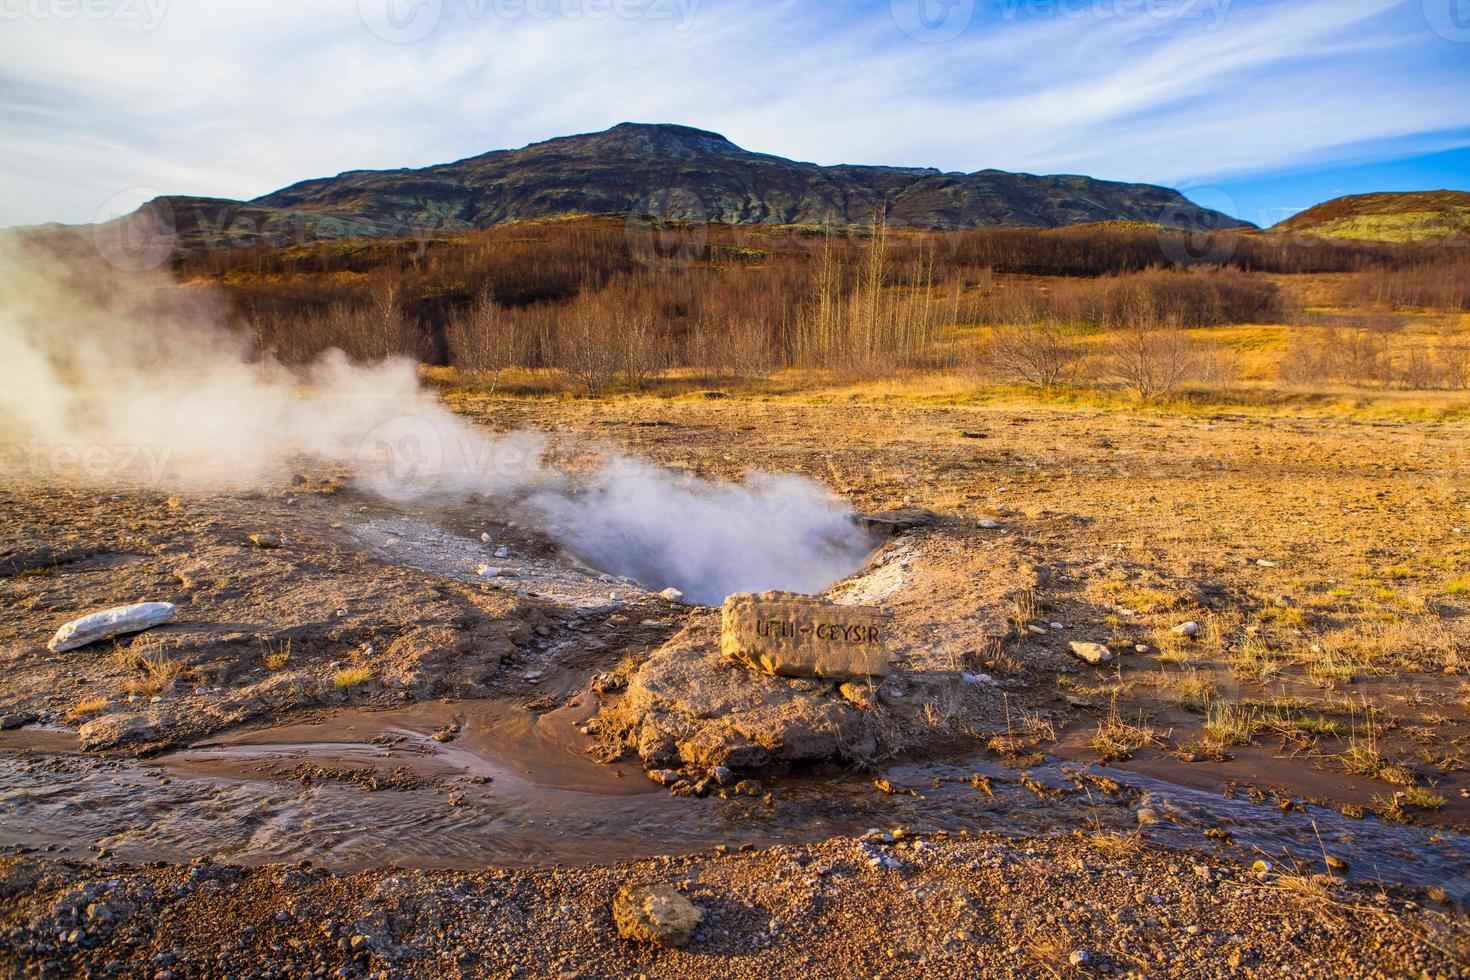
(1417, 216)
(667, 171)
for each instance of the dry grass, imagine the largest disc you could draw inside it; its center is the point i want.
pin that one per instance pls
(1186, 688)
(83, 710)
(1118, 737)
(350, 677)
(1228, 723)
(276, 657)
(148, 658)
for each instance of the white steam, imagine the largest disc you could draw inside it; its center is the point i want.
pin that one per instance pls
(124, 377)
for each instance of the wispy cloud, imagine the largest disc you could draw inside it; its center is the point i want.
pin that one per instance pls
(236, 99)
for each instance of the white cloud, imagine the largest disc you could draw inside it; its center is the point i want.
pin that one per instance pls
(236, 98)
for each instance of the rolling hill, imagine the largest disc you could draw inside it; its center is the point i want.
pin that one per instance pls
(1418, 216)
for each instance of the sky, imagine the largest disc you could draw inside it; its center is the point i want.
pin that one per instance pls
(1257, 107)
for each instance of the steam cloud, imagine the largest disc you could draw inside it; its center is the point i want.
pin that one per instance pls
(130, 377)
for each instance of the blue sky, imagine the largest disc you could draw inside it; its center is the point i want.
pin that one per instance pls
(1259, 107)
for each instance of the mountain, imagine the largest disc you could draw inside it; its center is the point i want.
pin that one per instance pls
(671, 172)
(1416, 216)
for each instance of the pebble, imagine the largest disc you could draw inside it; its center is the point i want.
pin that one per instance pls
(1190, 628)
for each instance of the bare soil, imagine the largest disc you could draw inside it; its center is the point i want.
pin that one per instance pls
(360, 666)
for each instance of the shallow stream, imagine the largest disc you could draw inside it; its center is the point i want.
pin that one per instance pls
(358, 789)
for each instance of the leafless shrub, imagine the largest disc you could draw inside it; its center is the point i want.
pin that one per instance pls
(1151, 355)
(1045, 353)
(484, 338)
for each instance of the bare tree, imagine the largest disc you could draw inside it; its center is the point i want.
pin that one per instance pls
(1150, 354)
(484, 338)
(584, 347)
(1043, 353)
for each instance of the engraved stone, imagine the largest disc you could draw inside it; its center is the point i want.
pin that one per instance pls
(794, 635)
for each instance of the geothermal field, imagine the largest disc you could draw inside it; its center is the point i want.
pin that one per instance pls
(439, 680)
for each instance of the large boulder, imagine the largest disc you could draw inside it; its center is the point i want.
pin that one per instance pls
(115, 731)
(792, 635)
(689, 706)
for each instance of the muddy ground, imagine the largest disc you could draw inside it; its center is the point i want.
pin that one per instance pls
(343, 685)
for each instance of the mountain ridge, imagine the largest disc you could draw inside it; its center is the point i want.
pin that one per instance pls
(668, 171)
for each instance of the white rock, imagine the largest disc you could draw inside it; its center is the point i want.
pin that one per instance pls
(487, 571)
(1079, 957)
(1190, 628)
(989, 524)
(1265, 563)
(977, 678)
(502, 552)
(673, 595)
(1093, 653)
(111, 622)
(485, 537)
(1057, 626)
(615, 596)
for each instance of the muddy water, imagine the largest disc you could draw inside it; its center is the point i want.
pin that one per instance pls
(359, 789)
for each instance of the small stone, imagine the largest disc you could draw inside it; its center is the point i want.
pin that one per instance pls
(1093, 653)
(616, 596)
(1142, 648)
(1190, 628)
(989, 525)
(673, 595)
(1079, 957)
(262, 539)
(664, 777)
(502, 552)
(487, 571)
(485, 537)
(655, 913)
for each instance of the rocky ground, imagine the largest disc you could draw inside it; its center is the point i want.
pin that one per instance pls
(915, 906)
(1322, 564)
